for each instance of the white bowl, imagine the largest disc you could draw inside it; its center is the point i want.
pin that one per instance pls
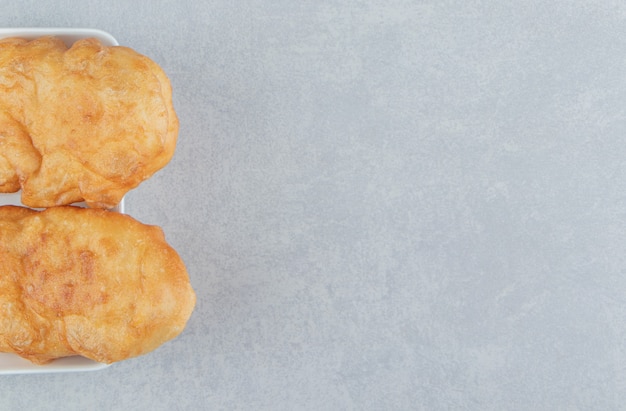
(11, 363)
(69, 36)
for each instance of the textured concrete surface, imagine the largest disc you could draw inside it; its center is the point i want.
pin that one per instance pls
(383, 205)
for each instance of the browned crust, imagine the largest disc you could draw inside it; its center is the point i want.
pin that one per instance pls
(87, 282)
(88, 123)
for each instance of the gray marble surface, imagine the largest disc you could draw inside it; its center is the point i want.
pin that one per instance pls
(383, 205)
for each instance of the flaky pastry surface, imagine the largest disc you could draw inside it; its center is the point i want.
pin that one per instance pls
(87, 282)
(86, 123)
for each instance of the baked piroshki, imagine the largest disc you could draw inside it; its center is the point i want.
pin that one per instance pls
(85, 123)
(88, 282)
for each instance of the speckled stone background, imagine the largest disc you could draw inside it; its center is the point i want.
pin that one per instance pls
(383, 205)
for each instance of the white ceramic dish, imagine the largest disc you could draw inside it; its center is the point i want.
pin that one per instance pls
(69, 36)
(10, 363)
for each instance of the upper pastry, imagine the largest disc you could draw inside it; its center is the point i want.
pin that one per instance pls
(85, 123)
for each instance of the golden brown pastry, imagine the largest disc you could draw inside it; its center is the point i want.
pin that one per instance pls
(87, 282)
(86, 123)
